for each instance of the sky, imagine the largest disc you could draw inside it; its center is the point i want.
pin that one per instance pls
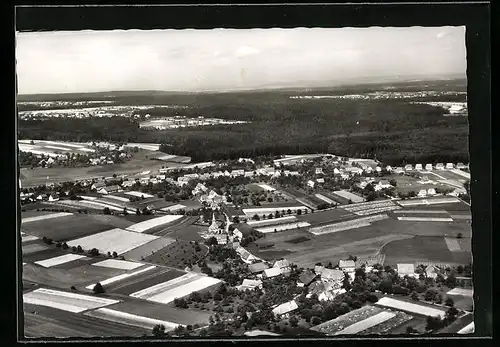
(233, 59)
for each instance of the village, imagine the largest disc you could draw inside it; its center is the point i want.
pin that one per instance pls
(255, 217)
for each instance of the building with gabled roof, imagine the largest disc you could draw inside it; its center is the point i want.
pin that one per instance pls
(257, 267)
(272, 272)
(428, 167)
(406, 269)
(284, 265)
(307, 277)
(347, 265)
(109, 189)
(250, 284)
(284, 309)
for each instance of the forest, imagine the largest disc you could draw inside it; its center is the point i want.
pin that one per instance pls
(393, 131)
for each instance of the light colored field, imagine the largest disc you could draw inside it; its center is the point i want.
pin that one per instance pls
(417, 202)
(349, 196)
(149, 248)
(173, 208)
(410, 307)
(139, 194)
(166, 292)
(27, 238)
(377, 210)
(461, 216)
(452, 244)
(423, 219)
(461, 173)
(130, 319)
(152, 223)
(122, 277)
(286, 219)
(366, 323)
(267, 210)
(114, 240)
(281, 227)
(118, 264)
(468, 329)
(347, 225)
(325, 199)
(63, 259)
(119, 198)
(461, 292)
(65, 301)
(46, 216)
(94, 204)
(266, 187)
(367, 205)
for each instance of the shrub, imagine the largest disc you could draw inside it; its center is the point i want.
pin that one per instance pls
(98, 288)
(65, 245)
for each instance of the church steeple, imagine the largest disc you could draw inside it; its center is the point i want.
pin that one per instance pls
(214, 227)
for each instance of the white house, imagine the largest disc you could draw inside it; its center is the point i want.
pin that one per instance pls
(422, 193)
(458, 191)
(440, 166)
(399, 170)
(408, 167)
(347, 265)
(378, 169)
(336, 171)
(283, 310)
(320, 180)
(53, 197)
(460, 166)
(388, 168)
(383, 184)
(284, 265)
(126, 184)
(236, 173)
(109, 189)
(450, 166)
(406, 269)
(428, 167)
(431, 191)
(250, 284)
(310, 184)
(368, 169)
(319, 171)
(418, 167)
(272, 272)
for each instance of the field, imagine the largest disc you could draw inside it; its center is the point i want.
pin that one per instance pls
(53, 148)
(349, 196)
(44, 217)
(166, 292)
(146, 279)
(51, 322)
(118, 264)
(149, 248)
(347, 225)
(66, 301)
(60, 260)
(407, 184)
(121, 277)
(272, 209)
(338, 324)
(130, 319)
(418, 309)
(367, 323)
(282, 227)
(423, 248)
(74, 226)
(367, 208)
(153, 223)
(113, 240)
(461, 292)
(177, 254)
(322, 217)
(163, 312)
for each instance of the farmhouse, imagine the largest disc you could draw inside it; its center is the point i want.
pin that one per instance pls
(408, 167)
(439, 166)
(399, 170)
(336, 171)
(283, 310)
(461, 166)
(272, 272)
(236, 173)
(319, 171)
(307, 277)
(354, 170)
(310, 184)
(127, 184)
(283, 265)
(363, 185)
(98, 185)
(428, 167)
(320, 180)
(431, 191)
(332, 275)
(406, 270)
(458, 191)
(450, 166)
(257, 267)
(432, 271)
(245, 160)
(250, 285)
(418, 167)
(388, 168)
(347, 265)
(383, 184)
(54, 197)
(422, 193)
(109, 189)
(249, 173)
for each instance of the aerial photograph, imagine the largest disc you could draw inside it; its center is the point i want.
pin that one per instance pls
(253, 183)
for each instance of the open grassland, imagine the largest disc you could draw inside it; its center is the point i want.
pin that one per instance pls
(177, 254)
(122, 277)
(44, 217)
(65, 278)
(423, 248)
(39, 251)
(130, 319)
(74, 226)
(143, 280)
(413, 308)
(118, 264)
(53, 323)
(65, 301)
(162, 312)
(148, 249)
(153, 223)
(114, 240)
(59, 260)
(33, 248)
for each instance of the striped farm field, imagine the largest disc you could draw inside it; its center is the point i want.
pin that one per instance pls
(139, 194)
(166, 292)
(65, 301)
(45, 216)
(266, 210)
(266, 187)
(412, 308)
(325, 198)
(118, 198)
(149, 248)
(366, 323)
(113, 240)
(347, 225)
(430, 201)
(452, 244)
(349, 196)
(282, 227)
(332, 327)
(130, 319)
(74, 226)
(144, 280)
(421, 212)
(153, 223)
(60, 260)
(122, 277)
(118, 264)
(28, 238)
(461, 292)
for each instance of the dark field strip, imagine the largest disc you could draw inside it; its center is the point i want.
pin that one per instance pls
(50, 322)
(160, 311)
(44, 253)
(77, 263)
(147, 279)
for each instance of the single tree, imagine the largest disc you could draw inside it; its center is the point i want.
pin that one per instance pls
(159, 330)
(449, 302)
(98, 288)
